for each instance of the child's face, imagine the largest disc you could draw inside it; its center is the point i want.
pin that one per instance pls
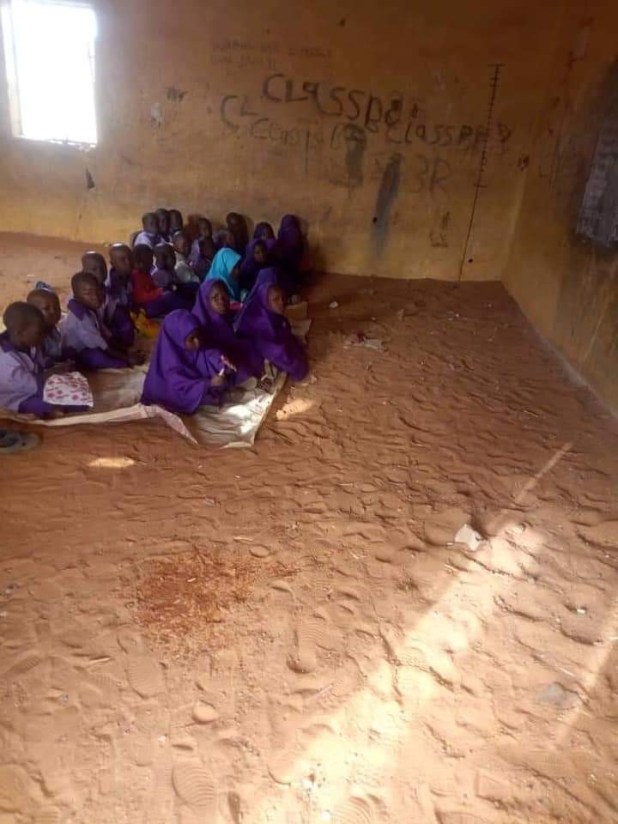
(163, 221)
(276, 300)
(204, 227)
(165, 257)
(29, 335)
(49, 306)
(150, 222)
(193, 342)
(226, 239)
(181, 244)
(144, 259)
(122, 260)
(259, 253)
(220, 299)
(267, 233)
(175, 220)
(95, 264)
(91, 295)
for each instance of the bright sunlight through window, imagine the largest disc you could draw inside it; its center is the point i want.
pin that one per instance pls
(49, 50)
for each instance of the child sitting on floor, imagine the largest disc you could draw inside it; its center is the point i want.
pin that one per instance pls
(184, 375)
(149, 236)
(22, 378)
(176, 222)
(163, 223)
(237, 225)
(118, 281)
(226, 267)
(260, 255)
(202, 249)
(212, 309)
(164, 274)
(182, 247)
(115, 312)
(154, 301)
(85, 332)
(262, 321)
(48, 304)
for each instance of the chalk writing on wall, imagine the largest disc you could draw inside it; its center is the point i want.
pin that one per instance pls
(397, 121)
(242, 53)
(239, 113)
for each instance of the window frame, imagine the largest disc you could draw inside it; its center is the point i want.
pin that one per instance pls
(7, 8)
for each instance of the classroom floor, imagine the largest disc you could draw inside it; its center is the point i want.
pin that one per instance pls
(288, 634)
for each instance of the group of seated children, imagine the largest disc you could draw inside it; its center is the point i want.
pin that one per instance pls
(222, 299)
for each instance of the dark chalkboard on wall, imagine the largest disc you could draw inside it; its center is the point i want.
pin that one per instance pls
(598, 216)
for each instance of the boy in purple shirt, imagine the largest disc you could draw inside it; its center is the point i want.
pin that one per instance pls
(52, 347)
(163, 224)
(115, 311)
(166, 277)
(149, 236)
(22, 374)
(84, 331)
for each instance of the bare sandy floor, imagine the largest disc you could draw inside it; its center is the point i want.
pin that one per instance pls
(287, 634)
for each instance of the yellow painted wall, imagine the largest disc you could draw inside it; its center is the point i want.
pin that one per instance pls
(367, 119)
(566, 286)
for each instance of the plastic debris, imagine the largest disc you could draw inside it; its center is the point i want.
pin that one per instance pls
(470, 537)
(361, 339)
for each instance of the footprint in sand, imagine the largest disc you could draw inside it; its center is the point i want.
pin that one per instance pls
(311, 633)
(145, 676)
(23, 665)
(194, 785)
(354, 811)
(48, 816)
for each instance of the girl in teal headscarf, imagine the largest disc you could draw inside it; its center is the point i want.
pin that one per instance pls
(225, 266)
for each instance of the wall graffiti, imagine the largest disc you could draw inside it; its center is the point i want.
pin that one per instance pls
(399, 124)
(386, 196)
(336, 127)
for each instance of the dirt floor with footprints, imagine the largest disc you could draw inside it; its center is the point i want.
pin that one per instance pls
(290, 634)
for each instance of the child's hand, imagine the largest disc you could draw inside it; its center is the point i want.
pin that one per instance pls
(219, 380)
(60, 369)
(137, 359)
(226, 362)
(57, 413)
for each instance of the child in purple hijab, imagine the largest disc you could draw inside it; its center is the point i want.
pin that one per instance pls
(262, 321)
(212, 308)
(290, 244)
(183, 374)
(263, 231)
(260, 255)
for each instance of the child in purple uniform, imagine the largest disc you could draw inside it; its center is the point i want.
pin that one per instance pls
(52, 347)
(163, 222)
(84, 331)
(115, 310)
(202, 249)
(22, 374)
(149, 236)
(184, 374)
(166, 277)
(262, 321)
